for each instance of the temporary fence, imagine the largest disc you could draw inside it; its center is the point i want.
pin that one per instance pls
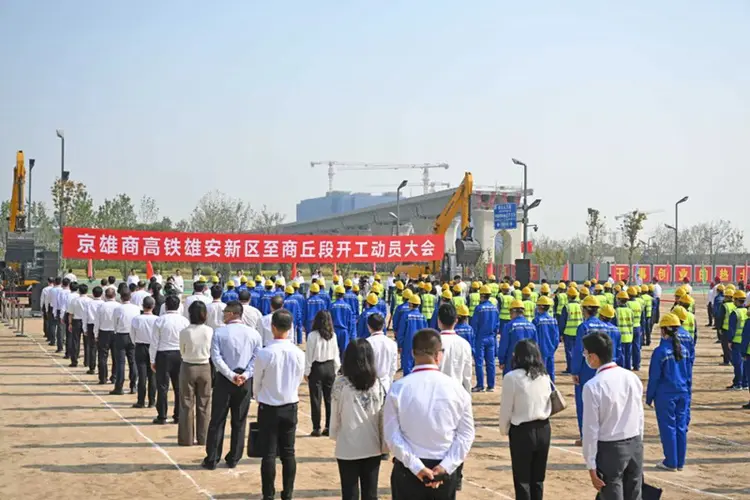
(13, 312)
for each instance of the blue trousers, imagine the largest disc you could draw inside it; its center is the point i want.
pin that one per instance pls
(549, 364)
(579, 407)
(342, 338)
(299, 333)
(637, 338)
(672, 417)
(407, 361)
(485, 354)
(740, 379)
(570, 343)
(627, 352)
(746, 368)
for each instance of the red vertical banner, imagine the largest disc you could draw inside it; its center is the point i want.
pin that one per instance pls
(703, 274)
(488, 271)
(741, 273)
(566, 272)
(294, 270)
(149, 270)
(90, 269)
(596, 272)
(683, 271)
(620, 272)
(642, 270)
(374, 268)
(335, 269)
(725, 273)
(534, 275)
(663, 272)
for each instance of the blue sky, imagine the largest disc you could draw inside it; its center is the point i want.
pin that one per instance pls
(615, 105)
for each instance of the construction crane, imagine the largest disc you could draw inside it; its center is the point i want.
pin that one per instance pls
(433, 185)
(17, 216)
(356, 165)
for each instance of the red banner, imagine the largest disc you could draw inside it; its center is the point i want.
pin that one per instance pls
(620, 272)
(682, 271)
(534, 274)
(509, 270)
(724, 273)
(116, 244)
(644, 271)
(703, 274)
(741, 273)
(663, 272)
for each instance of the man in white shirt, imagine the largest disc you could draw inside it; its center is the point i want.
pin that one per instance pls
(266, 329)
(385, 350)
(124, 347)
(179, 282)
(138, 296)
(709, 303)
(92, 307)
(197, 276)
(132, 278)
(278, 373)
(158, 277)
(70, 276)
(198, 294)
(78, 313)
(299, 278)
(104, 330)
(61, 313)
(250, 315)
(215, 309)
(234, 348)
(45, 307)
(612, 423)
(164, 354)
(427, 450)
(111, 280)
(457, 361)
(610, 280)
(141, 330)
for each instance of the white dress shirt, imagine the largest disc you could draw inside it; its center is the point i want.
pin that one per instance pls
(105, 317)
(73, 307)
(192, 298)
(166, 336)
(385, 350)
(124, 317)
(195, 344)
(457, 362)
(428, 415)
(251, 316)
(179, 283)
(612, 409)
(159, 279)
(319, 350)
(357, 420)
(524, 399)
(70, 277)
(60, 306)
(278, 373)
(657, 290)
(142, 328)
(266, 333)
(45, 297)
(137, 298)
(215, 314)
(81, 311)
(92, 308)
(132, 279)
(180, 310)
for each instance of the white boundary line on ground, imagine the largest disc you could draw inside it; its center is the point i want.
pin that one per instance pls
(137, 429)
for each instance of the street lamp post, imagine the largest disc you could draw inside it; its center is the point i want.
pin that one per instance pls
(32, 162)
(398, 206)
(525, 204)
(61, 135)
(676, 226)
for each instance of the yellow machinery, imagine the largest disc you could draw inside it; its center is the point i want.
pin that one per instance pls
(468, 250)
(17, 218)
(18, 268)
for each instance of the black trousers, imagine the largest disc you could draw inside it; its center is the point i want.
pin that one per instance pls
(406, 486)
(277, 426)
(60, 331)
(84, 335)
(66, 333)
(91, 346)
(359, 474)
(146, 376)
(103, 342)
(320, 381)
(225, 398)
(529, 447)
(710, 314)
(74, 341)
(124, 350)
(725, 350)
(46, 315)
(167, 368)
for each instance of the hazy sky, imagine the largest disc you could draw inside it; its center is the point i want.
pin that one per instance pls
(615, 105)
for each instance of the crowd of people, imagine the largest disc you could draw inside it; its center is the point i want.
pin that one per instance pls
(230, 342)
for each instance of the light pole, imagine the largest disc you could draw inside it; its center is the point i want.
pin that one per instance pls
(525, 200)
(676, 225)
(61, 135)
(32, 161)
(398, 206)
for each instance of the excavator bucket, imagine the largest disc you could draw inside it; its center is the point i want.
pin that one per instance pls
(468, 252)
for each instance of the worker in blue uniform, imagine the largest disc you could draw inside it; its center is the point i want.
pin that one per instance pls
(411, 322)
(687, 341)
(259, 281)
(370, 308)
(517, 329)
(350, 297)
(746, 353)
(548, 333)
(570, 318)
(445, 298)
(608, 316)
(242, 285)
(265, 299)
(580, 370)
(313, 306)
(279, 288)
(737, 320)
(324, 293)
(464, 329)
(402, 309)
(486, 324)
(254, 295)
(230, 294)
(668, 391)
(344, 321)
(293, 306)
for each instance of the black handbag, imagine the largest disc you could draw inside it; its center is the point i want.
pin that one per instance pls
(253, 436)
(650, 492)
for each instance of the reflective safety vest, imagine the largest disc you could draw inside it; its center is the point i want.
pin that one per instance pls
(493, 300)
(637, 308)
(562, 301)
(428, 305)
(534, 297)
(528, 309)
(602, 300)
(398, 299)
(517, 294)
(648, 302)
(575, 318)
(458, 301)
(729, 308)
(474, 299)
(505, 309)
(494, 289)
(360, 299)
(625, 324)
(741, 314)
(609, 298)
(689, 324)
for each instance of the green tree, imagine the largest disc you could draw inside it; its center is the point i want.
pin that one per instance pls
(216, 212)
(551, 256)
(595, 227)
(117, 213)
(266, 221)
(77, 205)
(631, 225)
(43, 227)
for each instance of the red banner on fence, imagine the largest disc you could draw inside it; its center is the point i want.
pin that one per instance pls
(741, 273)
(724, 273)
(682, 271)
(115, 244)
(663, 272)
(534, 272)
(620, 272)
(703, 274)
(644, 271)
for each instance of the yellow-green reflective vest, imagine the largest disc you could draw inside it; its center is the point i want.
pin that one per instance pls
(474, 299)
(741, 314)
(637, 307)
(729, 308)
(562, 301)
(505, 309)
(648, 303)
(528, 309)
(494, 289)
(534, 297)
(609, 298)
(575, 318)
(625, 324)
(689, 324)
(493, 300)
(458, 301)
(428, 305)
(517, 294)
(360, 300)
(398, 299)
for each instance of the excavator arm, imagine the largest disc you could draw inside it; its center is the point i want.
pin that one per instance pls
(17, 216)
(461, 200)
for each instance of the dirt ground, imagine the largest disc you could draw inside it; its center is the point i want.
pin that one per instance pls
(64, 437)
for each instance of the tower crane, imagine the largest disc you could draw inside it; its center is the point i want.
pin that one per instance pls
(356, 165)
(433, 185)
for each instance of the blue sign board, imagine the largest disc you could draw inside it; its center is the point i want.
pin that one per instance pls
(505, 216)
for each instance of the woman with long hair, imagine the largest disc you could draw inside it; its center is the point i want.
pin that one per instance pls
(321, 364)
(524, 416)
(669, 391)
(357, 423)
(195, 377)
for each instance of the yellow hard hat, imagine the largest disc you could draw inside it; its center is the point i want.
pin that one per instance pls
(243, 279)
(475, 284)
(584, 292)
(492, 277)
(740, 295)
(251, 284)
(230, 283)
(607, 284)
(587, 283)
(336, 279)
(729, 287)
(544, 288)
(348, 283)
(462, 310)
(315, 288)
(279, 283)
(355, 288)
(607, 311)
(598, 288)
(504, 287)
(339, 290)
(590, 301)
(686, 299)
(399, 285)
(269, 283)
(451, 282)
(516, 304)
(372, 299)
(644, 288)
(407, 294)
(484, 290)
(669, 320)
(544, 301)
(729, 293)
(428, 287)
(561, 286)
(516, 284)
(377, 287)
(623, 295)
(531, 285)
(651, 288)
(201, 279)
(679, 292)
(572, 292)
(214, 279)
(377, 277)
(457, 289)
(526, 291)
(680, 312)
(322, 281)
(415, 300)
(618, 289)
(447, 295)
(594, 281)
(289, 289)
(622, 283)
(258, 278)
(720, 288)
(420, 285)
(632, 291)
(573, 284)
(295, 284)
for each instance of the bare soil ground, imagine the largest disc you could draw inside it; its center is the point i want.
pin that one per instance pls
(64, 437)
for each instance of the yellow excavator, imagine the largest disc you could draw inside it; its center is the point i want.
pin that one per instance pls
(19, 263)
(468, 250)
(17, 217)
